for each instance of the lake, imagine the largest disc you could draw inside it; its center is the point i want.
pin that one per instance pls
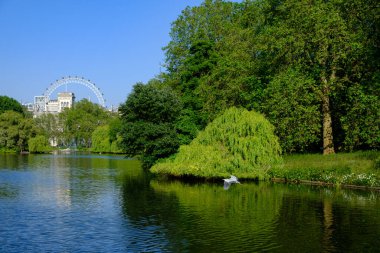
(103, 203)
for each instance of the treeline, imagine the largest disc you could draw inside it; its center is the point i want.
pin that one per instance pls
(311, 67)
(16, 126)
(86, 126)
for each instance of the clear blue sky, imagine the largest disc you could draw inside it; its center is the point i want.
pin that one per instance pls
(114, 43)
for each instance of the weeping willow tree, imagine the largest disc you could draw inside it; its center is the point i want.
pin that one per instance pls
(239, 142)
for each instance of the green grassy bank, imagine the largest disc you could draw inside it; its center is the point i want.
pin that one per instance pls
(358, 169)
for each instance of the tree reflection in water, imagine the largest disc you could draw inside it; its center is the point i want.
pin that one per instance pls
(200, 217)
(108, 202)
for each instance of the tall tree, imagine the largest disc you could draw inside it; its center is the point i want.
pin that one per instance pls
(148, 123)
(207, 22)
(15, 131)
(198, 64)
(294, 110)
(315, 36)
(49, 125)
(80, 122)
(226, 54)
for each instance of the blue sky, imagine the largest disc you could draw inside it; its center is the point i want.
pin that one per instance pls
(114, 43)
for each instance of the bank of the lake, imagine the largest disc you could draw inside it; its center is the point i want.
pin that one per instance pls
(356, 169)
(360, 168)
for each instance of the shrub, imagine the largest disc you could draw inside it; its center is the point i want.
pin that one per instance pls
(39, 144)
(100, 139)
(239, 142)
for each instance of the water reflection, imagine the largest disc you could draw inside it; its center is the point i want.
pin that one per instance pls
(79, 203)
(8, 191)
(327, 220)
(148, 213)
(239, 219)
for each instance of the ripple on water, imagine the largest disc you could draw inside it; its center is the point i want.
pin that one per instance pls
(8, 191)
(118, 209)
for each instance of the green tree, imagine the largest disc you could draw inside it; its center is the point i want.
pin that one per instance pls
(294, 110)
(7, 103)
(191, 57)
(198, 64)
(361, 120)
(50, 125)
(15, 131)
(39, 144)
(224, 54)
(78, 123)
(317, 37)
(101, 140)
(148, 116)
(115, 127)
(239, 142)
(204, 23)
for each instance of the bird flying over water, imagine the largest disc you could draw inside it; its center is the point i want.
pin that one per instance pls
(229, 181)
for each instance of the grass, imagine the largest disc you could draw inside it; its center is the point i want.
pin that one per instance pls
(359, 168)
(5, 150)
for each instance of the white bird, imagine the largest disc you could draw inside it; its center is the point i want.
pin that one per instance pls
(229, 181)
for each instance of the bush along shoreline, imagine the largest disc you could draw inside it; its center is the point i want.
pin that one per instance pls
(239, 142)
(355, 170)
(243, 143)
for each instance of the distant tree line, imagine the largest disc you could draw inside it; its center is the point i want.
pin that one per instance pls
(85, 126)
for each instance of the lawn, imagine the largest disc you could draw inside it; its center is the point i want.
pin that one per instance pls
(360, 168)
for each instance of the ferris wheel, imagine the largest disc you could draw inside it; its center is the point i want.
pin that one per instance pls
(75, 80)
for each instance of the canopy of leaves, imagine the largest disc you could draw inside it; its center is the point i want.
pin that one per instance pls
(7, 103)
(148, 123)
(101, 141)
(294, 110)
(39, 144)
(151, 104)
(50, 126)
(239, 142)
(193, 55)
(79, 123)
(300, 62)
(15, 131)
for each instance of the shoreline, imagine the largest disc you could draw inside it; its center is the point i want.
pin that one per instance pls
(321, 183)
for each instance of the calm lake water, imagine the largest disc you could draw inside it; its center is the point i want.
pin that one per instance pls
(95, 203)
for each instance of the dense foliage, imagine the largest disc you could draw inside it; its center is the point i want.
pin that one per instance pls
(102, 141)
(311, 67)
(39, 144)
(51, 127)
(238, 142)
(10, 104)
(79, 123)
(297, 111)
(15, 127)
(15, 131)
(77, 127)
(148, 123)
